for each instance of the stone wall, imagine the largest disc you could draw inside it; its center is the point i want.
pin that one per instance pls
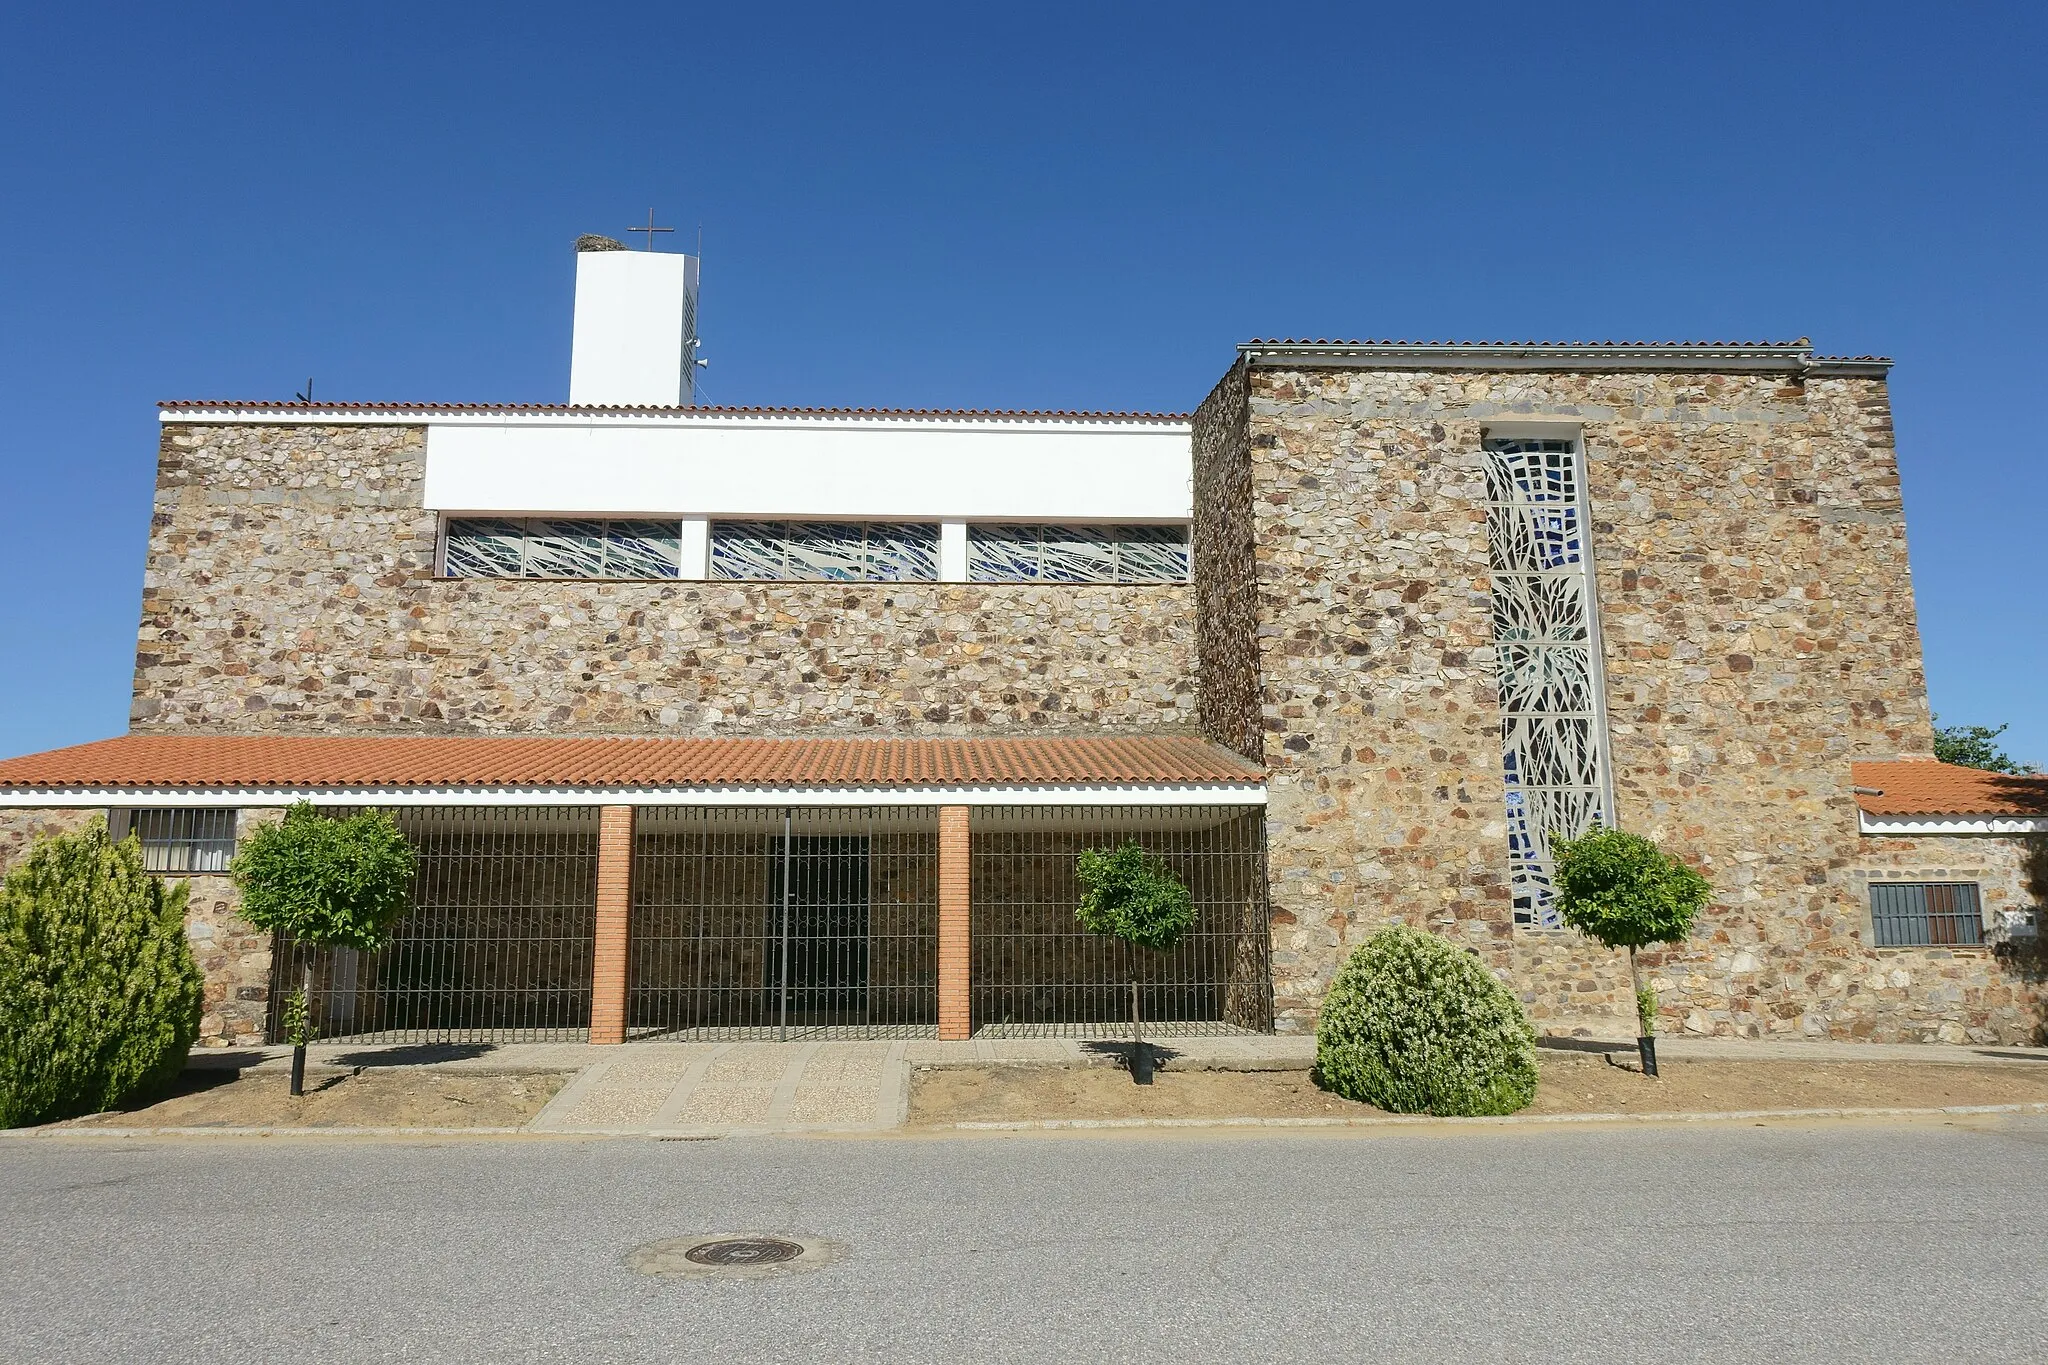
(233, 956)
(1225, 570)
(290, 587)
(1759, 633)
(20, 828)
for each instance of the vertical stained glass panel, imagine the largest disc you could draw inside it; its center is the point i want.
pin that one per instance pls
(905, 552)
(1152, 554)
(1076, 554)
(1553, 751)
(749, 549)
(565, 549)
(479, 548)
(826, 551)
(1002, 554)
(643, 549)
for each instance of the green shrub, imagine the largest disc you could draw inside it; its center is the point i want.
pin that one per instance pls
(99, 995)
(1416, 1025)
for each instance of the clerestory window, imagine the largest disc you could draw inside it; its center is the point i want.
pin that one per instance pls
(1077, 554)
(539, 547)
(825, 551)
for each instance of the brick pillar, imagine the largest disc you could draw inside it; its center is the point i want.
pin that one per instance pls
(953, 901)
(614, 894)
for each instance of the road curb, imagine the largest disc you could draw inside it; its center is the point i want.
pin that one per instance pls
(59, 1131)
(1494, 1121)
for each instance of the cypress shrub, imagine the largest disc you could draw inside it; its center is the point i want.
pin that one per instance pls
(99, 995)
(1416, 1025)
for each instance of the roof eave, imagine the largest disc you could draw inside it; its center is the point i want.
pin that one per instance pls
(1153, 793)
(233, 411)
(1561, 357)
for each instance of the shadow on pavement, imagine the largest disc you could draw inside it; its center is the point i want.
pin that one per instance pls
(411, 1054)
(1162, 1056)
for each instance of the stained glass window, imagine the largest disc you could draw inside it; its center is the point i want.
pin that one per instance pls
(825, 551)
(480, 547)
(1554, 747)
(1077, 554)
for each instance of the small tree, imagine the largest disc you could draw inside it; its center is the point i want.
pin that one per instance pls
(1130, 895)
(1975, 746)
(99, 996)
(325, 883)
(1623, 891)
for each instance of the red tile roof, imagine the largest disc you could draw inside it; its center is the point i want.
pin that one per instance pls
(1618, 345)
(305, 761)
(679, 410)
(1928, 788)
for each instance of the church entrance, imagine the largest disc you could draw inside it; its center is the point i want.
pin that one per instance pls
(817, 951)
(796, 923)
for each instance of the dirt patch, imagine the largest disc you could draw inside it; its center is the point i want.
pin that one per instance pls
(1568, 1084)
(394, 1098)
(1590, 1084)
(997, 1094)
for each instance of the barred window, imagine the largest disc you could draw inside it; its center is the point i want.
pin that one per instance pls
(1926, 914)
(549, 547)
(825, 551)
(1077, 554)
(179, 840)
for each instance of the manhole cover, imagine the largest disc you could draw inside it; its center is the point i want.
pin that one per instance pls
(734, 1255)
(745, 1251)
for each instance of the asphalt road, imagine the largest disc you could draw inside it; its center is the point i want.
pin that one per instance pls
(1780, 1243)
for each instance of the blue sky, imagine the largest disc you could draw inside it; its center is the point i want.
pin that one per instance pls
(1047, 205)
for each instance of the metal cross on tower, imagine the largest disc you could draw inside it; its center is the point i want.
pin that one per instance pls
(650, 229)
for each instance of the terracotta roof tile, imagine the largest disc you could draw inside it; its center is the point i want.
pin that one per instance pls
(1927, 788)
(1635, 345)
(305, 761)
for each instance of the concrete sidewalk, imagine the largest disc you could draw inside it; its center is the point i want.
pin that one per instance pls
(1235, 1052)
(715, 1089)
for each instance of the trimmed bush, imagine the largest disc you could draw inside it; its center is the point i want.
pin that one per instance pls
(1127, 893)
(99, 995)
(337, 883)
(1624, 891)
(1416, 1025)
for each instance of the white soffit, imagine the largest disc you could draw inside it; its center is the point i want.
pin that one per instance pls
(1952, 824)
(157, 798)
(813, 467)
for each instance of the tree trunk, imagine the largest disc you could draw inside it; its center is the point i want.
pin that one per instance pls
(299, 1043)
(1646, 1042)
(1141, 1056)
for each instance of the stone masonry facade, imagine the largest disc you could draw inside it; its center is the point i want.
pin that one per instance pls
(1759, 633)
(1754, 606)
(290, 587)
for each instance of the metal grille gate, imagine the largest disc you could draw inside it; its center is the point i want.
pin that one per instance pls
(1036, 972)
(756, 922)
(497, 947)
